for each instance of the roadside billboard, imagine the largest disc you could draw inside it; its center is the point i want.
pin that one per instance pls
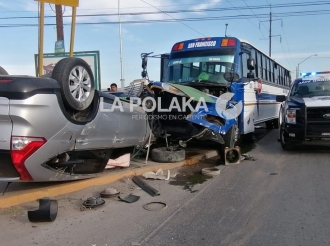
(91, 57)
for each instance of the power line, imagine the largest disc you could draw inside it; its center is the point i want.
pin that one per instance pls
(285, 14)
(241, 14)
(175, 19)
(233, 8)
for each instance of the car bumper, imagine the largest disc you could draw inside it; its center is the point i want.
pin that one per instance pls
(296, 134)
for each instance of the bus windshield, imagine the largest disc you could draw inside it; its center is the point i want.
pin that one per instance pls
(201, 66)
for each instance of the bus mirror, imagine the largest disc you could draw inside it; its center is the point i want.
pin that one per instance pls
(144, 74)
(250, 75)
(280, 98)
(250, 64)
(144, 62)
(231, 77)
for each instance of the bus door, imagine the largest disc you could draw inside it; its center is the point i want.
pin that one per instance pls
(164, 59)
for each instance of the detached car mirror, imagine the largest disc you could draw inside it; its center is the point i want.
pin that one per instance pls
(231, 77)
(280, 98)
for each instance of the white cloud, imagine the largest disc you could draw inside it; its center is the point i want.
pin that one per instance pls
(206, 5)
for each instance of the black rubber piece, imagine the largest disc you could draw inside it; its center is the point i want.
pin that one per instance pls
(47, 211)
(144, 186)
(166, 156)
(130, 198)
(61, 73)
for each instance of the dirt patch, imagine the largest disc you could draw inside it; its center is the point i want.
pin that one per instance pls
(189, 176)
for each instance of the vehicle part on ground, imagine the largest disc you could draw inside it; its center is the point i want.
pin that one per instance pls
(129, 199)
(211, 171)
(151, 206)
(230, 140)
(109, 193)
(165, 155)
(247, 157)
(146, 187)
(92, 202)
(47, 211)
(3, 71)
(232, 156)
(157, 175)
(77, 82)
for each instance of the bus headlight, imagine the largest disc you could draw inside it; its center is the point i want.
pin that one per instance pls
(290, 116)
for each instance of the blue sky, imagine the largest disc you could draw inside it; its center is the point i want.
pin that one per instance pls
(300, 30)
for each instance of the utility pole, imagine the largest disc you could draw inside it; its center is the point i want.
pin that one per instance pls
(59, 45)
(59, 22)
(270, 34)
(270, 31)
(122, 80)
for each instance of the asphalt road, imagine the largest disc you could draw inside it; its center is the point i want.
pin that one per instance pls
(281, 198)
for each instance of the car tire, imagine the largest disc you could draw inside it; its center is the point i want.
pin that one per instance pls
(3, 71)
(78, 94)
(164, 155)
(284, 145)
(276, 123)
(269, 124)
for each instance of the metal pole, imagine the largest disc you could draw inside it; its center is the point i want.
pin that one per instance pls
(298, 72)
(41, 38)
(73, 25)
(270, 35)
(226, 30)
(122, 80)
(303, 61)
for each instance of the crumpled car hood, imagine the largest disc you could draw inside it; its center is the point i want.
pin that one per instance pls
(198, 116)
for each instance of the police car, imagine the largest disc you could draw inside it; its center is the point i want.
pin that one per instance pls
(305, 113)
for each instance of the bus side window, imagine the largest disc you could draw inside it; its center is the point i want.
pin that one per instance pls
(245, 71)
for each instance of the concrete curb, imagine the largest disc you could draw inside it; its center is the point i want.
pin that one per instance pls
(21, 197)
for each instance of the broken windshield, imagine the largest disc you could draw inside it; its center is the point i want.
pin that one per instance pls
(201, 66)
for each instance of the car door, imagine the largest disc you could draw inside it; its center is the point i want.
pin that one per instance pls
(133, 125)
(102, 131)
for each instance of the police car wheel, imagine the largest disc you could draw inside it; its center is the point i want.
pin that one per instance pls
(285, 145)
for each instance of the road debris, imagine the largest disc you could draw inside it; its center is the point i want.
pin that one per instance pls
(47, 211)
(155, 206)
(247, 157)
(129, 199)
(92, 202)
(159, 175)
(211, 171)
(147, 188)
(109, 193)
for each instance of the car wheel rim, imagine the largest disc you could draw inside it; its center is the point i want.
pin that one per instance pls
(80, 84)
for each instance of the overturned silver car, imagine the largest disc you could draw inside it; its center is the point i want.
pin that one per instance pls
(56, 128)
